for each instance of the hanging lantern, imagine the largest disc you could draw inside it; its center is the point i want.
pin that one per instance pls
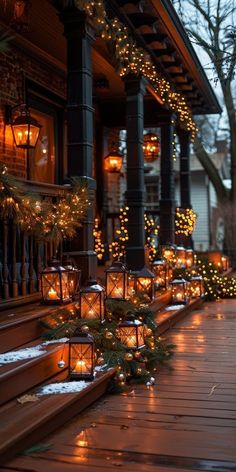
(179, 291)
(196, 287)
(224, 263)
(114, 160)
(168, 253)
(189, 255)
(180, 255)
(25, 128)
(117, 281)
(55, 284)
(160, 270)
(151, 147)
(74, 275)
(143, 282)
(81, 356)
(131, 332)
(92, 301)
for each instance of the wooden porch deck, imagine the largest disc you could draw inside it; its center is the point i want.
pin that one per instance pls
(186, 422)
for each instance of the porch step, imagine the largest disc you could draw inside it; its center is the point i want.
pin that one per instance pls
(18, 377)
(21, 325)
(23, 425)
(30, 422)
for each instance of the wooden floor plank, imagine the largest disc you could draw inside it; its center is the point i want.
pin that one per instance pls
(185, 422)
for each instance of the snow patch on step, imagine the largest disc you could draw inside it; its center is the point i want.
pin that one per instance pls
(174, 307)
(55, 341)
(69, 387)
(21, 354)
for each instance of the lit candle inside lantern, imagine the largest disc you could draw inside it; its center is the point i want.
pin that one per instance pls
(188, 263)
(52, 294)
(80, 365)
(179, 296)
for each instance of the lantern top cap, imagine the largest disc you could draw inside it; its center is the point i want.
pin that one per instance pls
(144, 272)
(196, 277)
(131, 320)
(180, 248)
(117, 266)
(114, 153)
(159, 261)
(54, 265)
(81, 336)
(178, 281)
(189, 249)
(92, 286)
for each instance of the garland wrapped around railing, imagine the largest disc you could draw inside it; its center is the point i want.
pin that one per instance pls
(48, 221)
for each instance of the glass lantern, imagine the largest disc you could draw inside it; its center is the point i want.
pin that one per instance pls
(180, 255)
(143, 282)
(74, 275)
(224, 263)
(55, 284)
(92, 301)
(114, 161)
(189, 256)
(160, 270)
(81, 356)
(131, 332)
(117, 281)
(151, 147)
(196, 287)
(168, 253)
(179, 291)
(25, 129)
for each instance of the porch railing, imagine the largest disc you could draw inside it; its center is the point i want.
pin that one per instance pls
(22, 256)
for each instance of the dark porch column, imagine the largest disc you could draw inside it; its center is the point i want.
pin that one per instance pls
(79, 35)
(167, 202)
(135, 90)
(184, 175)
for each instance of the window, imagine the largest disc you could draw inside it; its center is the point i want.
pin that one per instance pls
(42, 158)
(46, 161)
(152, 194)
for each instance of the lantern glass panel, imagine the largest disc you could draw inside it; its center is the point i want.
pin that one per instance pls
(180, 254)
(196, 287)
(117, 285)
(55, 286)
(92, 305)
(145, 285)
(224, 263)
(81, 360)
(179, 291)
(131, 334)
(168, 253)
(189, 258)
(160, 269)
(113, 162)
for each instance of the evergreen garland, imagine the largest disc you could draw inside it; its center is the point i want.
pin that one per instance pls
(132, 365)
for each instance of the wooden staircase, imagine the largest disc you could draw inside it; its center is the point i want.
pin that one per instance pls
(24, 424)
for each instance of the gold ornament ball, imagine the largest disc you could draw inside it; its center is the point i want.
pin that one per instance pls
(85, 328)
(148, 332)
(121, 377)
(100, 360)
(137, 354)
(108, 335)
(128, 356)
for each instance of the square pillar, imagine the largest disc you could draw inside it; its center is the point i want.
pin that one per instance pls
(167, 201)
(135, 90)
(80, 113)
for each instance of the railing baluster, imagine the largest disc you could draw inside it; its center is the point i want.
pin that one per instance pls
(5, 270)
(39, 265)
(14, 267)
(31, 264)
(23, 265)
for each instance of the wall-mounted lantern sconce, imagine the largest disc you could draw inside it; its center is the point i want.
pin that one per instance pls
(114, 160)
(25, 128)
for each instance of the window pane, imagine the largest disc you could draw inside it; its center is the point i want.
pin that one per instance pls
(42, 158)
